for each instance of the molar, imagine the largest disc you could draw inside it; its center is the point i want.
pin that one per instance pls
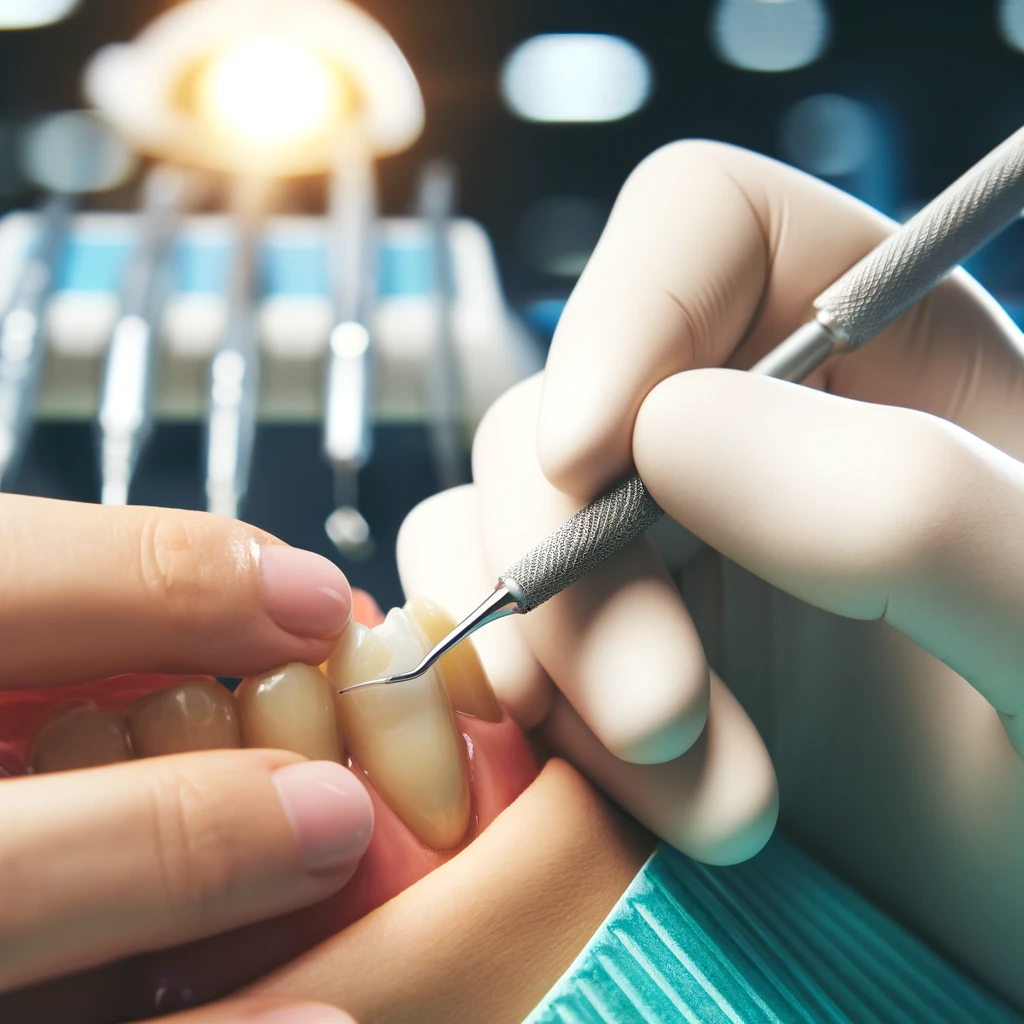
(198, 714)
(403, 736)
(291, 708)
(81, 737)
(468, 688)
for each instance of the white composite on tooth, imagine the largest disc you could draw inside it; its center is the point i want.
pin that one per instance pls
(403, 736)
(81, 737)
(291, 708)
(198, 714)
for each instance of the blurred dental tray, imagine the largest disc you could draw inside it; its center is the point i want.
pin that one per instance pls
(493, 350)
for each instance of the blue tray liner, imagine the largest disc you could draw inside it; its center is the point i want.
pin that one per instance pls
(777, 940)
(95, 263)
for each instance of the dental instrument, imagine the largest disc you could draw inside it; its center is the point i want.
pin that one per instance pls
(22, 348)
(125, 414)
(234, 371)
(348, 427)
(868, 297)
(444, 392)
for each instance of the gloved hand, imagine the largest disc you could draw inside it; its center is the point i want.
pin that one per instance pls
(101, 864)
(849, 554)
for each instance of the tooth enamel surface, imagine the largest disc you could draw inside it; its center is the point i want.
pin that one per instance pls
(198, 714)
(291, 708)
(468, 688)
(81, 737)
(404, 736)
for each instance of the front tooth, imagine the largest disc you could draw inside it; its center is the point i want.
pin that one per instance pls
(404, 736)
(198, 714)
(468, 688)
(291, 708)
(81, 737)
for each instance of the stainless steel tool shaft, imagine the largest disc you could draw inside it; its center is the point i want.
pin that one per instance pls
(125, 415)
(22, 335)
(348, 398)
(235, 369)
(862, 303)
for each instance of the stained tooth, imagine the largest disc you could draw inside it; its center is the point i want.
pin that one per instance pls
(404, 736)
(468, 688)
(291, 708)
(198, 714)
(81, 737)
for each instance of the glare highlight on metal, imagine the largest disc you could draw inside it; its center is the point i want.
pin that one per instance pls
(770, 35)
(576, 77)
(829, 135)
(270, 92)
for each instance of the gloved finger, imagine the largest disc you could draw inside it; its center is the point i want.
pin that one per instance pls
(262, 1010)
(440, 558)
(108, 862)
(866, 511)
(619, 644)
(712, 256)
(88, 592)
(717, 803)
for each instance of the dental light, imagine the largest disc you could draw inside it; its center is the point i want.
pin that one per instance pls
(258, 86)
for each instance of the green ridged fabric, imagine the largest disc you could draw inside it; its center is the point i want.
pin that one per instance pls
(777, 940)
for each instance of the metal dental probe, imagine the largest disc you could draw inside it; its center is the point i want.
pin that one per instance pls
(348, 413)
(864, 301)
(22, 344)
(447, 422)
(125, 416)
(234, 371)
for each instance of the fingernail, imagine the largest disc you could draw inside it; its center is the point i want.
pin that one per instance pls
(329, 810)
(305, 593)
(302, 1013)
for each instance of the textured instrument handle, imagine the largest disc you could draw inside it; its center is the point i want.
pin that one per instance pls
(892, 277)
(865, 300)
(583, 543)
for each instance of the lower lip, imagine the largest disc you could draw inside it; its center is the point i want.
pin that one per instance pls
(501, 766)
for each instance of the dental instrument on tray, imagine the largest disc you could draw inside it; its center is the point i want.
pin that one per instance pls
(352, 257)
(67, 153)
(22, 348)
(125, 414)
(872, 294)
(444, 392)
(234, 370)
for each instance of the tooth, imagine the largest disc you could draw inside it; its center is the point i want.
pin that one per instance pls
(198, 714)
(404, 736)
(291, 708)
(81, 737)
(468, 688)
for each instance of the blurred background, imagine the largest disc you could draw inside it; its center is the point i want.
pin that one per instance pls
(542, 110)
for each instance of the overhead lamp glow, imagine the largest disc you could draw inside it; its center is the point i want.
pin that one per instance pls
(270, 92)
(576, 77)
(770, 35)
(34, 13)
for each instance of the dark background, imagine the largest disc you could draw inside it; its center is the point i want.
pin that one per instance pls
(941, 81)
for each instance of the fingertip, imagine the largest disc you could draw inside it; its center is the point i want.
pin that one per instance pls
(304, 593)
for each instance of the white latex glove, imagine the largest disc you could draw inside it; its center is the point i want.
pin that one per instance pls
(838, 514)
